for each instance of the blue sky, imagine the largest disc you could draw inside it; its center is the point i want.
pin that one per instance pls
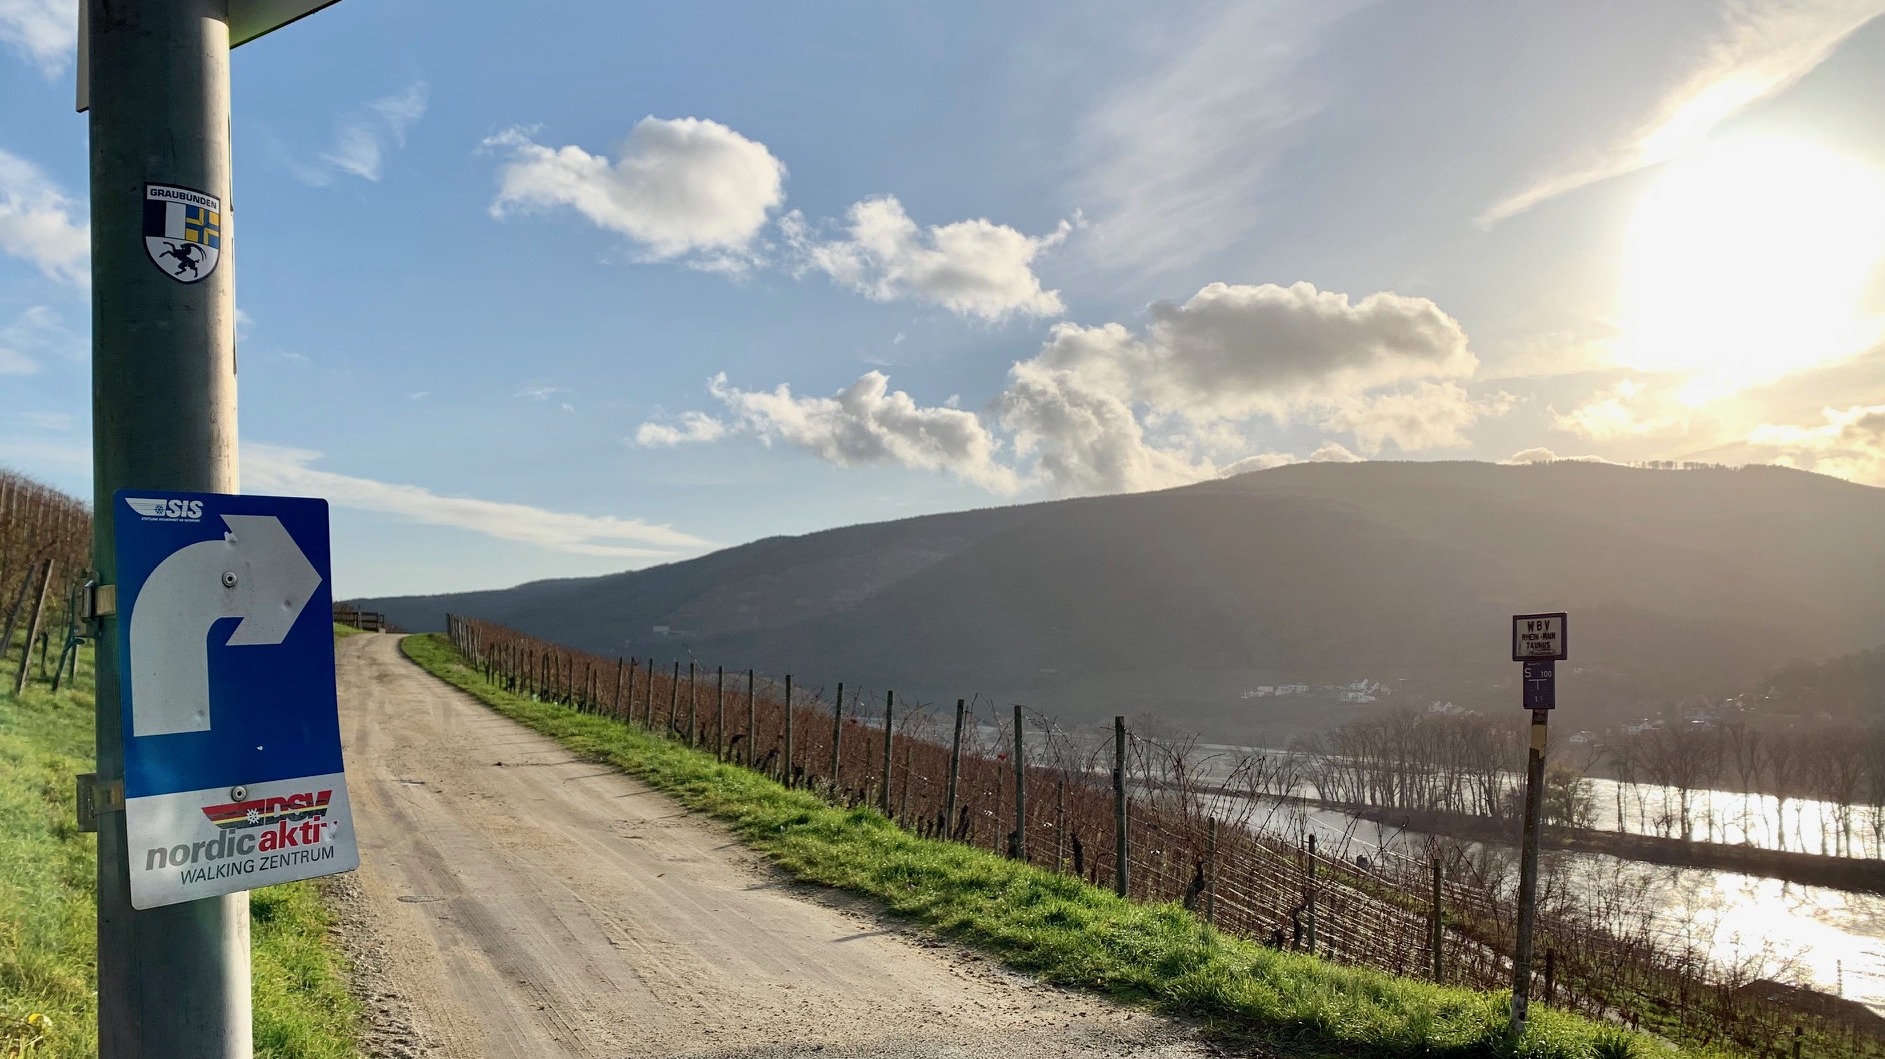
(520, 293)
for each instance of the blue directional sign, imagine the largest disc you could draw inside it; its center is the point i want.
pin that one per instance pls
(232, 766)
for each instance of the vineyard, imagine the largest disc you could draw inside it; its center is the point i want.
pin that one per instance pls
(45, 548)
(1224, 838)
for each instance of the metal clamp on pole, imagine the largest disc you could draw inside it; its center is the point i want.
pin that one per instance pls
(95, 797)
(101, 601)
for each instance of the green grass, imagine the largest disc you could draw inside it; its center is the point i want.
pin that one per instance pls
(48, 958)
(1059, 928)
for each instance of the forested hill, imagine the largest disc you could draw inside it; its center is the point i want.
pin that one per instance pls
(1190, 602)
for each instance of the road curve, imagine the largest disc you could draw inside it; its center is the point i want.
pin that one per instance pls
(521, 902)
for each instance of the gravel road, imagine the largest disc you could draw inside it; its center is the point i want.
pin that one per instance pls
(515, 901)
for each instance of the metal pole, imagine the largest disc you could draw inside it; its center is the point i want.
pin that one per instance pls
(172, 981)
(1120, 861)
(1528, 870)
(890, 728)
(1020, 792)
(955, 771)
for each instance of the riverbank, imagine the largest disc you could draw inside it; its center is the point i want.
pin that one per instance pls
(1811, 869)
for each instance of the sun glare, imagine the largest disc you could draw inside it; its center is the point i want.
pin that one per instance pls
(1750, 261)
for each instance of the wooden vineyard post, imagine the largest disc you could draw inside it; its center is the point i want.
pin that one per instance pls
(752, 726)
(719, 712)
(1436, 923)
(955, 772)
(32, 628)
(837, 732)
(1210, 878)
(693, 706)
(1120, 859)
(1020, 791)
(785, 763)
(1309, 898)
(1060, 826)
(615, 706)
(890, 727)
(674, 697)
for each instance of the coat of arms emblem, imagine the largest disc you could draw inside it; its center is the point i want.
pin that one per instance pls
(183, 231)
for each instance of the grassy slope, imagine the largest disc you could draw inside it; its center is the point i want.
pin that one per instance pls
(47, 924)
(1058, 927)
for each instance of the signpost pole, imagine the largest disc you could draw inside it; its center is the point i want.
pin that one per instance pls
(172, 981)
(1539, 641)
(1528, 870)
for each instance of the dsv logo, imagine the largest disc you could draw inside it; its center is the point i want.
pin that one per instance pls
(167, 510)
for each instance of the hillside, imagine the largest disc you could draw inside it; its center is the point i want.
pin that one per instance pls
(1186, 603)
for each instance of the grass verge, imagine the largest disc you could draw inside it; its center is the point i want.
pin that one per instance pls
(1059, 928)
(48, 954)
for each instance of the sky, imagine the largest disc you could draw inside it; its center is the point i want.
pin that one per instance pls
(532, 297)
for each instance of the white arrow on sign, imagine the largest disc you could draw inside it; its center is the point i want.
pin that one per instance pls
(256, 572)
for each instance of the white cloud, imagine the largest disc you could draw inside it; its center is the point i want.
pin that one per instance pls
(1172, 161)
(38, 330)
(291, 470)
(36, 222)
(1429, 416)
(540, 393)
(1628, 409)
(363, 138)
(1262, 461)
(972, 268)
(1849, 443)
(45, 32)
(1106, 409)
(1237, 350)
(1540, 454)
(680, 188)
(695, 427)
(1087, 438)
(867, 422)
(1765, 46)
(1334, 452)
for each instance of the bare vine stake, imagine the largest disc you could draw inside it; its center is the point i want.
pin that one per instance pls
(1020, 791)
(719, 711)
(890, 699)
(752, 724)
(615, 705)
(837, 732)
(693, 706)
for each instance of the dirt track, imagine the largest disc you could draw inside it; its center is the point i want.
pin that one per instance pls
(514, 901)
